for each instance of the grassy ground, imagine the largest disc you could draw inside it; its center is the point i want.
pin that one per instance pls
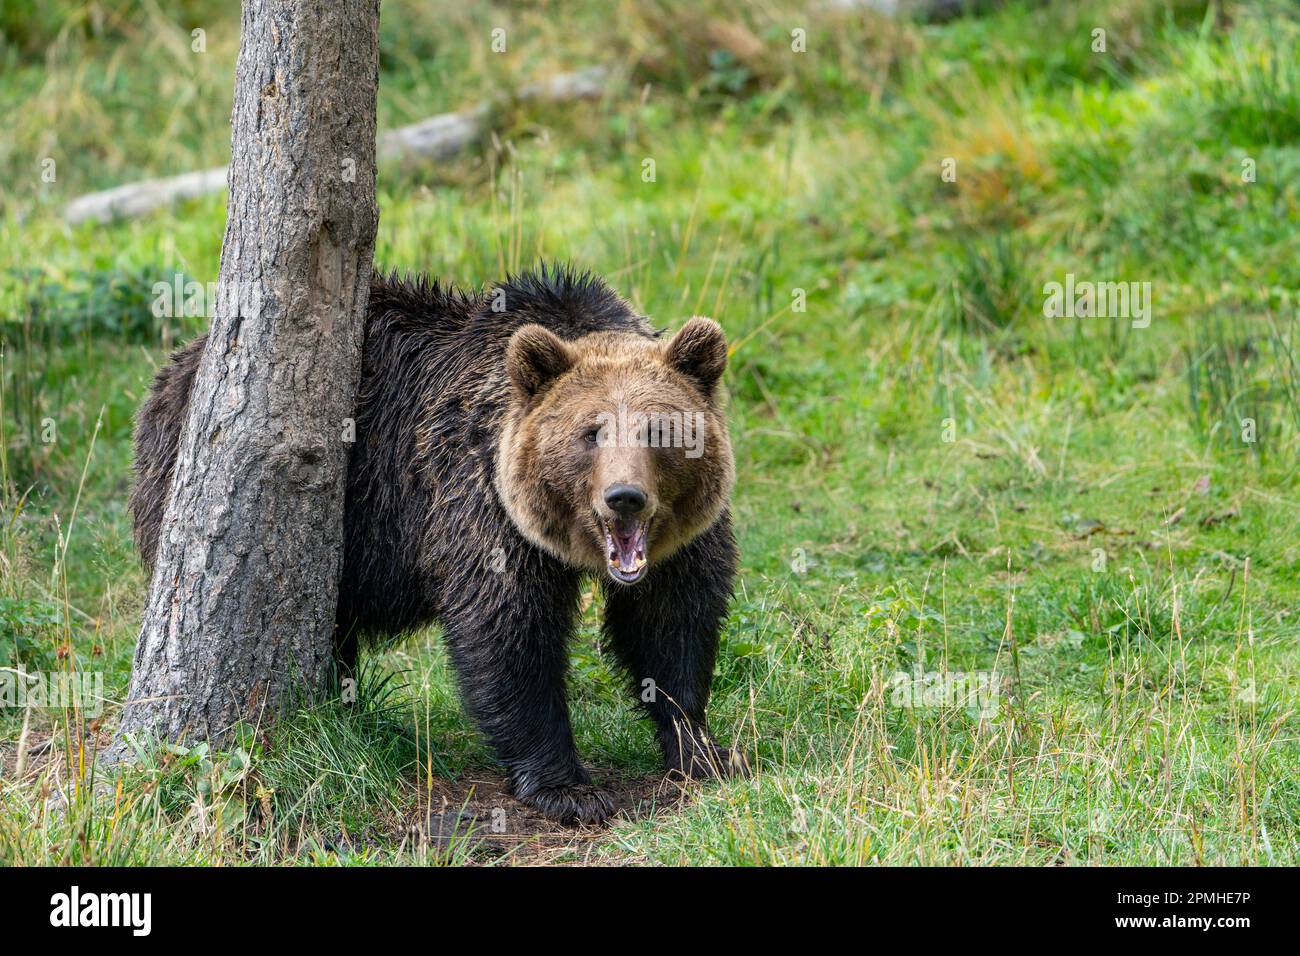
(934, 477)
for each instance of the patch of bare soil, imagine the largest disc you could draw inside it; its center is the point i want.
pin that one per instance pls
(474, 814)
(44, 754)
(478, 813)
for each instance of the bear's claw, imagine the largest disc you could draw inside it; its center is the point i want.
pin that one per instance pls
(573, 804)
(705, 762)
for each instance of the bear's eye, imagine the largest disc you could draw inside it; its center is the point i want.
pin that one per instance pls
(591, 437)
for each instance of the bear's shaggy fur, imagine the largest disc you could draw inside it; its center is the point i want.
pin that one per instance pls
(479, 493)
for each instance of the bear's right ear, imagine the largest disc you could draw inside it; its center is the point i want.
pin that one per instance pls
(536, 357)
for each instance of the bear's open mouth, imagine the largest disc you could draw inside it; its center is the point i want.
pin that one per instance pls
(625, 548)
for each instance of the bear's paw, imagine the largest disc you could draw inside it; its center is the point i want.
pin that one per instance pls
(580, 804)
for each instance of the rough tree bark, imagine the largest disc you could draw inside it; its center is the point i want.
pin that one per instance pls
(241, 607)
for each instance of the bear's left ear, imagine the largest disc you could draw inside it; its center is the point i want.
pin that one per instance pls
(699, 351)
(535, 357)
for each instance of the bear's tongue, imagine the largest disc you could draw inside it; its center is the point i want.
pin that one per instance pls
(627, 545)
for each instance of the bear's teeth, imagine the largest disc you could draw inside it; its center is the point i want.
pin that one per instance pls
(625, 553)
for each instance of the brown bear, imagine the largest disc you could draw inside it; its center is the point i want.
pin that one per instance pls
(507, 444)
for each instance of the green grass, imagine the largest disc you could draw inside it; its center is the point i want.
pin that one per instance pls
(931, 472)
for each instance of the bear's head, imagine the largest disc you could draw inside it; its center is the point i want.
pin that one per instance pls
(614, 452)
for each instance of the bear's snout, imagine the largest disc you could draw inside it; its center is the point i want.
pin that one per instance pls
(625, 500)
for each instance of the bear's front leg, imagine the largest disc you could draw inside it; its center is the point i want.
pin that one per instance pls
(508, 633)
(664, 631)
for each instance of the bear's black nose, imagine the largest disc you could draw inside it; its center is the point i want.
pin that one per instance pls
(625, 500)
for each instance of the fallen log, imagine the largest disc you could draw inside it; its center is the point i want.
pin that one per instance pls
(439, 137)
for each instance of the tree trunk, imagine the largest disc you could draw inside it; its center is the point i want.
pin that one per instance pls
(241, 608)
